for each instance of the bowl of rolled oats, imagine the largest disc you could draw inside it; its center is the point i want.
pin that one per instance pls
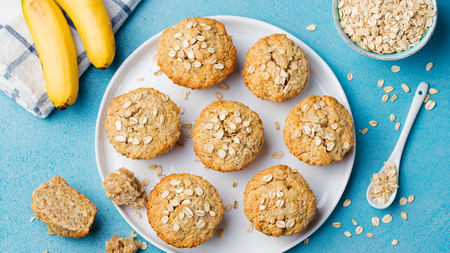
(385, 29)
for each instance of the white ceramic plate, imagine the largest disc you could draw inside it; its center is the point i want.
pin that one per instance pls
(327, 182)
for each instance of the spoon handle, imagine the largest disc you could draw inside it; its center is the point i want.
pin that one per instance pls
(415, 107)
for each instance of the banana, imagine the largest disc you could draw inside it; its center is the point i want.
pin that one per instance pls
(56, 49)
(92, 21)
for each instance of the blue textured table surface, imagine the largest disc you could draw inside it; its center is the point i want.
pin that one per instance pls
(33, 150)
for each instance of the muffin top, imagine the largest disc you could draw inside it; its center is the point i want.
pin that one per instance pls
(319, 131)
(143, 123)
(228, 136)
(276, 69)
(196, 53)
(278, 201)
(184, 210)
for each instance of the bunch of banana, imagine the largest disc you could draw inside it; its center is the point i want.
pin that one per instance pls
(55, 46)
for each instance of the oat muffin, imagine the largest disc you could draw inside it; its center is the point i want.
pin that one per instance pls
(228, 136)
(278, 201)
(63, 209)
(184, 210)
(122, 245)
(196, 53)
(319, 131)
(276, 69)
(143, 123)
(123, 188)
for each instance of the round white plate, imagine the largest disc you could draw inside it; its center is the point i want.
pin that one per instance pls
(327, 182)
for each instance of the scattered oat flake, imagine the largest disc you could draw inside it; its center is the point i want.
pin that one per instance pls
(403, 201)
(429, 66)
(179, 144)
(376, 221)
(223, 86)
(277, 125)
(350, 76)
(158, 72)
(373, 123)
(426, 98)
(249, 228)
(369, 235)
(306, 241)
(364, 131)
(311, 27)
(278, 154)
(411, 199)
(140, 79)
(32, 219)
(144, 246)
(46, 251)
(348, 234)
(190, 133)
(161, 176)
(394, 242)
(235, 204)
(184, 95)
(380, 83)
(392, 117)
(359, 230)
(387, 218)
(234, 184)
(186, 125)
(227, 207)
(137, 214)
(220, 233)
(405, 87)
(404, 215)
(354, 222)
(181, 110)
(145, 181)
(219, 96)
(347, 202)
(394, 97)
(385, 98)
(388, 89)
(433, 91)
(152, 167)
(395, 68)
(397, 126)
(336, 224)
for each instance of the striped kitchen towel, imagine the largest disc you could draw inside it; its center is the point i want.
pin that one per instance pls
(21, 76)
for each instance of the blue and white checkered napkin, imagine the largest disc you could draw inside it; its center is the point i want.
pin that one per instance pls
(21, 76)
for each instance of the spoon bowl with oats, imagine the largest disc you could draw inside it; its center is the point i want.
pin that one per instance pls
(383, 188)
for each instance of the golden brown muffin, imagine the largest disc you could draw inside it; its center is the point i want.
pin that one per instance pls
(63, 209)
(123, 188)
(319, 131)
(278, 201)
(228, 136)
(184, 210)
(276, 69)
(143, 123)
(196, 53)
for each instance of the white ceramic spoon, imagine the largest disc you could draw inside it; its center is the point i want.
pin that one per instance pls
(398, 150)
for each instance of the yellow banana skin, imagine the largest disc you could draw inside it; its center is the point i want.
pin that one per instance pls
(56, 49)
(92, 21)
